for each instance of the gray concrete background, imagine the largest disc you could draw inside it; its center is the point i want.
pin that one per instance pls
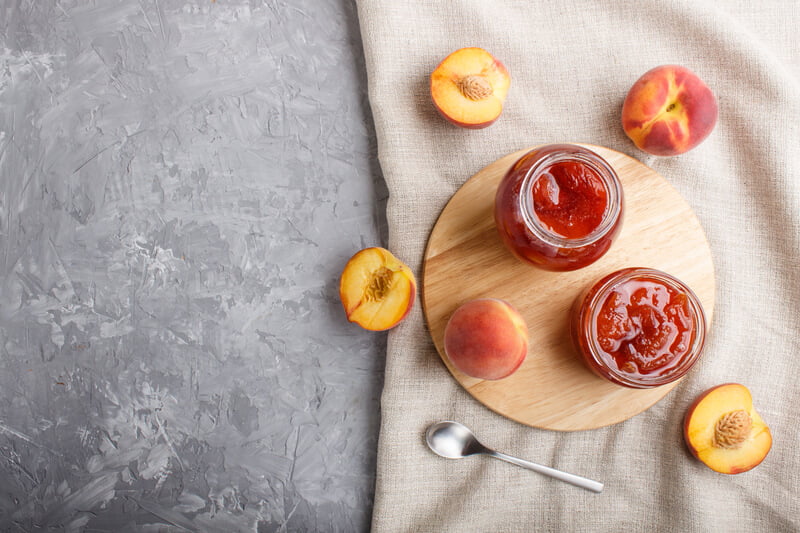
(181, 183)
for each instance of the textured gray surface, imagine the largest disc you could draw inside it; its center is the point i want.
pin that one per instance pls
(180, 186)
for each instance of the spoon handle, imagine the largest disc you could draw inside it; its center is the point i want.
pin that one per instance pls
(588, 484)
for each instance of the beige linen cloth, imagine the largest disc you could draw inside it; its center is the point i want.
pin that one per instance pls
(572, 63)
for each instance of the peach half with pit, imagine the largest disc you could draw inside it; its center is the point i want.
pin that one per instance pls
(669, 111)
(469, 87)
(486, 338)
(725, 432)
(377, 290)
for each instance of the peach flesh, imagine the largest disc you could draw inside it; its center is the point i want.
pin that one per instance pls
(469, 88)
(376, 289)
(723, 430)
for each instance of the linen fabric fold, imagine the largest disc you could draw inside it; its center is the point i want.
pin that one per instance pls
(571, 65)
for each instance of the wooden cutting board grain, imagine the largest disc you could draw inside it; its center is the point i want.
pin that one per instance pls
(465, 259)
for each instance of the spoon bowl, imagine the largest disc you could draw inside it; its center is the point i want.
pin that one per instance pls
(454, 441)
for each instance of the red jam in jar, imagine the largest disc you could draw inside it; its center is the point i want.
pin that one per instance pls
(559, 207)
(639, 327)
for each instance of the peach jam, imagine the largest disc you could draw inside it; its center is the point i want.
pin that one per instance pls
(639, 327)
(559, 207)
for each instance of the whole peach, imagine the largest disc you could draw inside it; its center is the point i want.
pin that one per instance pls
(486, 338)
(669, 111)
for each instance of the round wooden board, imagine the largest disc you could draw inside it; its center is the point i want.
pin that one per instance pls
(465, 259)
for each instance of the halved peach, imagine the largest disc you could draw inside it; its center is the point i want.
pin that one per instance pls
(377, 289)
(469, 87)
(725, 432)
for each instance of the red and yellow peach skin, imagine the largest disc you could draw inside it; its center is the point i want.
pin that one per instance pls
(486, 338)
(669, 111)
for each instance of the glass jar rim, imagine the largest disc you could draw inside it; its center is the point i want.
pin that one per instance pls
(698, 321)
(569, 152)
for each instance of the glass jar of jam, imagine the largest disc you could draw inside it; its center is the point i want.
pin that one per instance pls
(639, 328)
(559, 207)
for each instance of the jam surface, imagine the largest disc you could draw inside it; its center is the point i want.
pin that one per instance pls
(569, 199)
(645, 327)
(566, 191)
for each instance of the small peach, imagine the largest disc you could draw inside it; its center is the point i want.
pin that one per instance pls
(486, 339)
(669, 111)
(469, 87)
(724, 431)
(377, 290)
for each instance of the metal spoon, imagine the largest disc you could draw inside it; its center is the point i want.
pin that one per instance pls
(454, 441)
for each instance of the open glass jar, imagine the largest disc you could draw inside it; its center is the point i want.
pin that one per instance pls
(559, 207)
(639, 328)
